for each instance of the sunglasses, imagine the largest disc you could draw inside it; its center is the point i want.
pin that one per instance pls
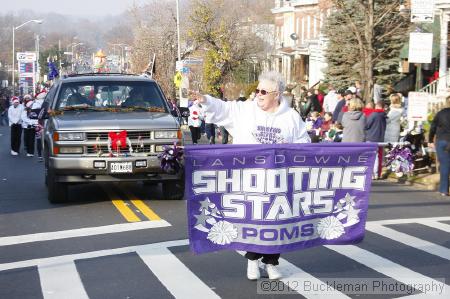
(263, 92)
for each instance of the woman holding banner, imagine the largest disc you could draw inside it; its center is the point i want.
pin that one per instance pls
(266, 120)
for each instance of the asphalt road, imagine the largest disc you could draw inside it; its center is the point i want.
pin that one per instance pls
(126, 241)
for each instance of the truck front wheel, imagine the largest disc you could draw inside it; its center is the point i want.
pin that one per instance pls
(57, 192)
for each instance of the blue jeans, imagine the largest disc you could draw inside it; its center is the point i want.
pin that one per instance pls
(444, 164)
(210, 133)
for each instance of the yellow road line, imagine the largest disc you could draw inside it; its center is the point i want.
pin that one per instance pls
(121, 206)
(126, 212)
(145, 209)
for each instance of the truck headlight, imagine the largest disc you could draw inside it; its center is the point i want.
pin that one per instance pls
(166, 134)
(160, 148)
(71, 150)
(71, 136)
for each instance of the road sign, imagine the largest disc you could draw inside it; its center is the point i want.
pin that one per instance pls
(26, 56)
(420, 47)
(179, 65)
(193, 61)
(418, 106)
(68, 53)
(177, 79)
(184, 70)
(422, 11)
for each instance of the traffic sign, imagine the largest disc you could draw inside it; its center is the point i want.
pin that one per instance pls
(177, 79)
(179, 65)
(422, 11)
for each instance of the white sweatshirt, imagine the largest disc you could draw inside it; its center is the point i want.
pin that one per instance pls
(25, 120)
(15, 114)
(248, 124)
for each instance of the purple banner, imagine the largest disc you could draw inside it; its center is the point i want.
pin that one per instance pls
(277, 198)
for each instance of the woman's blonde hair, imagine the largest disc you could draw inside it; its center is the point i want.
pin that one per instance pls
(355, 105)
(396, 100)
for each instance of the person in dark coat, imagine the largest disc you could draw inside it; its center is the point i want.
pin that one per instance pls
(440, 127)
(376, 124)
(375, 130)
(312, 104)
(342, 94)
(342, 106)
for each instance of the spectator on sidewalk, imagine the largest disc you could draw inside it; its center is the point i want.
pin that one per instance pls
(340, 102)
(331, 99)
(440, 128)
(375, 130)
(354, 122)
(326, 123)
(320, 97)
(4, 105)
(15, 122)
(312, 105)
(342, 106)
(394, 118)
(29, 132)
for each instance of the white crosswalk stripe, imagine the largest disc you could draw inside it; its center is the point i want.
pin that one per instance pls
(383, 265)
(182, 283)
(61, 281)
(59, 277)
(409, 240)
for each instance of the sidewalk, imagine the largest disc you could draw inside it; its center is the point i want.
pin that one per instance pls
(426, 181)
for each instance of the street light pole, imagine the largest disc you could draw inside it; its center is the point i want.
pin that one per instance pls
(13, 61)
(14, 50)
(180, 89)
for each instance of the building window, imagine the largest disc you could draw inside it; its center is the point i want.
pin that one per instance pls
(308, 27)
(315, 27)
(303, 30)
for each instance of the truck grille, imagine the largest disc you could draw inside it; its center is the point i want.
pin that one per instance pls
(103, 136)
(147, 148)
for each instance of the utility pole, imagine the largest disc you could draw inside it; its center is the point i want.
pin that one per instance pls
(179, 46)
(59, 56)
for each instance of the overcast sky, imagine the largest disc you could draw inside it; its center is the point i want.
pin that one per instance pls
(71, 7)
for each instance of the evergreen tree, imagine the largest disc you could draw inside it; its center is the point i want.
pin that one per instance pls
(365, 38)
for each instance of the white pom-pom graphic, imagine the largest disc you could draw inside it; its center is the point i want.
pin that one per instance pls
(330, 228)
(222, 233)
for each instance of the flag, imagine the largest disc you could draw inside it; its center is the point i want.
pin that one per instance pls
(52, 71)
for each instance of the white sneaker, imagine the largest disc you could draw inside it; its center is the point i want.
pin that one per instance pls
(14, 153)
(30, 155)
(253, 270)
(273, 272)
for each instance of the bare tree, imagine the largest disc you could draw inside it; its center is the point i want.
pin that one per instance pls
(226, 32)
(154, 30)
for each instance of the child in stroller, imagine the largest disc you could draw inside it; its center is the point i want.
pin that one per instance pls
(417, 145)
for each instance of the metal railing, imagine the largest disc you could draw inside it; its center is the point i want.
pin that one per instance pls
(432, 88)
(438, 90)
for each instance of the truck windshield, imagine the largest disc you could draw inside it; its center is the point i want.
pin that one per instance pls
(123, 95)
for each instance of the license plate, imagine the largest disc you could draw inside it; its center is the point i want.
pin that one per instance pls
(121, 167)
